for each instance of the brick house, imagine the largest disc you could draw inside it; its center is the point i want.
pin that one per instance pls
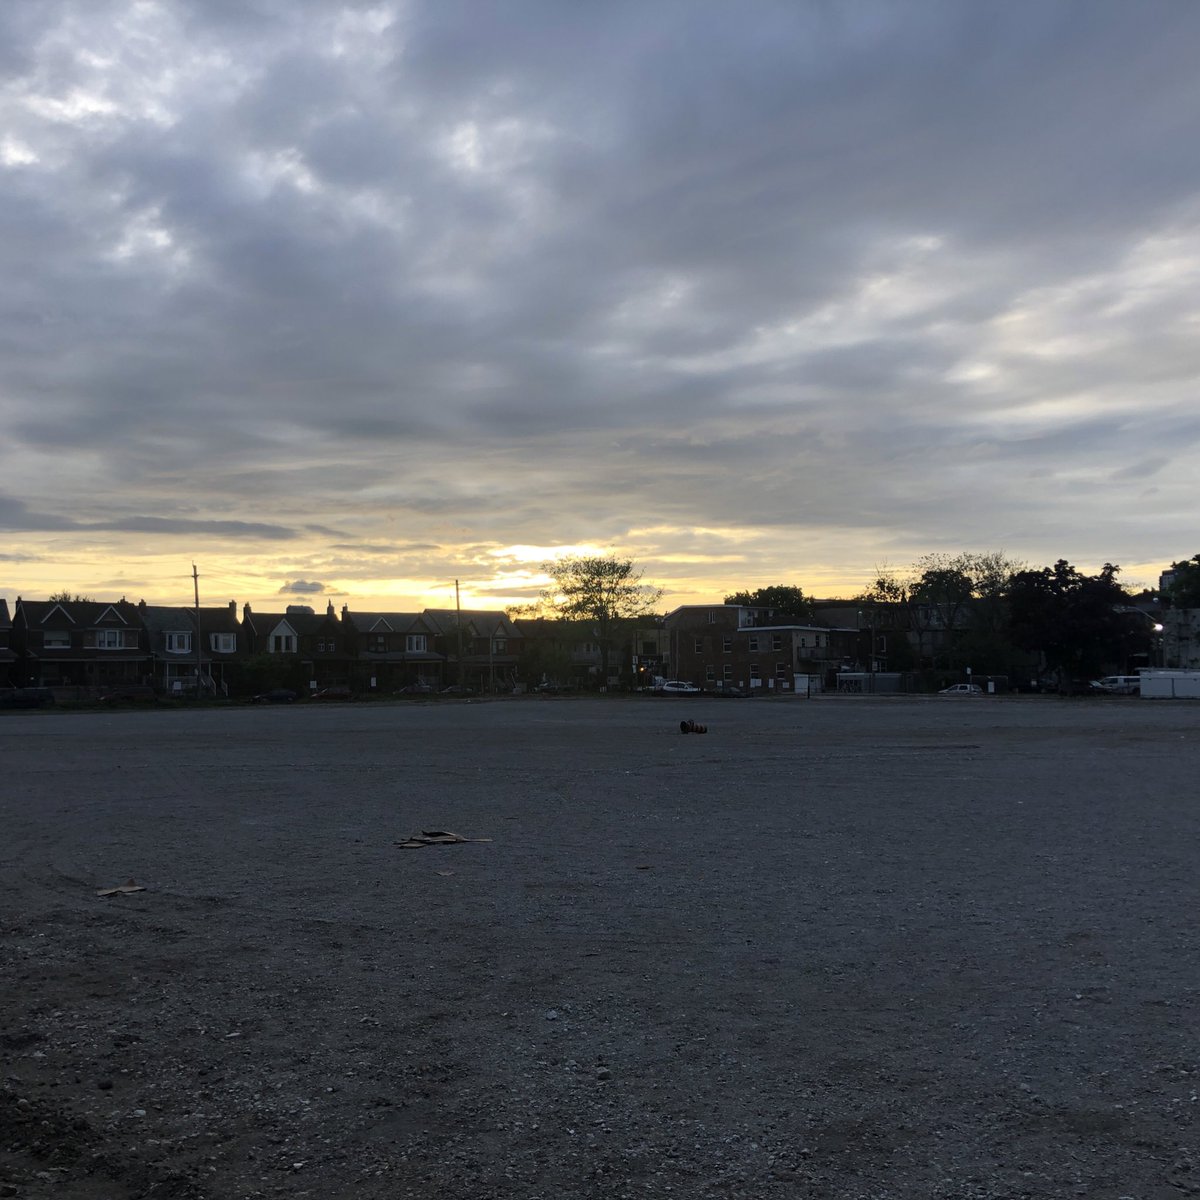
(394, 650)
(491, 646)
(318, 643)
(171, 639)
(559, 651)
(80, 644)
(8, 658)
(753, 648)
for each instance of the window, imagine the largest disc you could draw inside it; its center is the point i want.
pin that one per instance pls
(179, 643)
(283, 643)
(782, 670)
(710, 673)
(377, 643)
(727, 672)
(60, 640)
(223, 643)
(754, 641)
(414, 643)
(777, 641)
(754, 671)
(727, 645)
(712, 616)
(110, 639)
(326, 646)
(804, 643)
(499, 645)
(699, 645)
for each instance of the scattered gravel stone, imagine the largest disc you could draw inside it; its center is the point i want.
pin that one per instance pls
(858, 969)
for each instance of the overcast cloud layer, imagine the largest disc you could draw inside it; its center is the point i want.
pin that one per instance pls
(370, 296)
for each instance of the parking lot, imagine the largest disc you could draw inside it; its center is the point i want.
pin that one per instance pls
(842, 947)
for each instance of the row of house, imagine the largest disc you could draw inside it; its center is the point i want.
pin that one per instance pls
(96, 645)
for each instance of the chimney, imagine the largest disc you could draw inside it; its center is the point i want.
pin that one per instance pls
(233, 609)
(329, 611)
(245, 612)
(345, 611)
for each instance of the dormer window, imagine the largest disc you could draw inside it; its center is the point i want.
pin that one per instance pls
(58, 639)
(222, 643)
(414, 643)
(179, 643)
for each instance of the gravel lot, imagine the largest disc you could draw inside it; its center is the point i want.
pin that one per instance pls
(845, 947)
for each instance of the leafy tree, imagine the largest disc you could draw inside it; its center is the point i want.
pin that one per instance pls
(784, 601)
(939, 597)
(1184, 589)
(1076, 622)
(956, 605)
(607, 591)
(65, 597)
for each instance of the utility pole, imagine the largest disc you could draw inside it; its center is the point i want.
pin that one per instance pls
(199, 640)
(458, 624)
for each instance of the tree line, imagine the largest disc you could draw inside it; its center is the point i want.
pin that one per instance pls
(943, 612)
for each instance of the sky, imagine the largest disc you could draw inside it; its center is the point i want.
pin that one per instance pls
(349, 301)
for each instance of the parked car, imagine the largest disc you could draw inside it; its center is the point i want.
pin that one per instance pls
(129, 693)
(30, 697)
(962, 689)
(337, 692)
(677, 687)
(731, 691)
(549, 688)
(456, 689)
(274, 696)
(1118, 685)
(416, 689)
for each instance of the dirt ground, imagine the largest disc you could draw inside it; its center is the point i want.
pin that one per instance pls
(842, 947)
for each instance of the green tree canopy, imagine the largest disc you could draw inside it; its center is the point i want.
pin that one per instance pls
(956, 605)
(1184, 589)
(783, 600)
(1077, 622)
(605, 590)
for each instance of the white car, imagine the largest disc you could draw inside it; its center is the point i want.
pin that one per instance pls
(1118, 685)
(962, 689)
(677, 687)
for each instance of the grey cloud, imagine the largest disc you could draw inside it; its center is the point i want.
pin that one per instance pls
(1142, 470)
(292, 295)
(15, 515)
(226, 529)
(303, 587)
(389, 550)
